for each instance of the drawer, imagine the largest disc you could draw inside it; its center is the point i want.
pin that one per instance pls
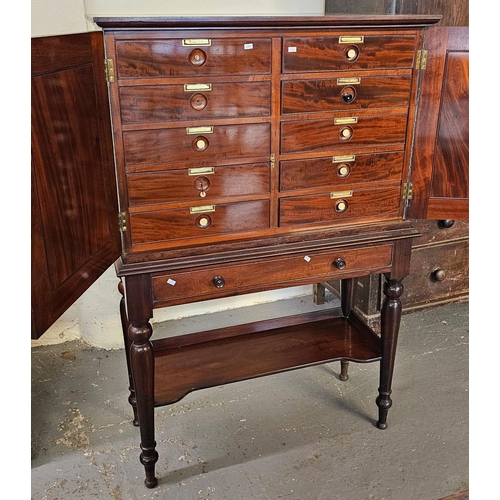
(196, 144)
(348, 51)
(358, 130)
(343, 93)
(199, 221)
(438, 273)
(435, 231)
(331, 208)
(338, 171)
(268, 273)
(159, 58)
(195, 184)
(163, 103)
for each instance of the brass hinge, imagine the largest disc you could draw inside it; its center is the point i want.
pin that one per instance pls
(408, 191)
(109, 69)
(421, 59)
(122, 221)
(273, 160)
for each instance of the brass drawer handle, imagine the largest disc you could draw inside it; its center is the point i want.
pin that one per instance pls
(198, 87)
(351, 39)
(199, 130)
(202, 209)
(341, 194)
(196, 42)
(201, 171)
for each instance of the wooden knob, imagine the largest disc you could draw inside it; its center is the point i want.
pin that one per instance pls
(197, 57)
(439, 274)
(198, 102)
(339, 263)
(218, 281)
(446, 224)
(348, 94)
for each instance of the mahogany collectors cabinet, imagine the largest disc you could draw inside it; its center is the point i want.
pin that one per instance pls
(238, 155)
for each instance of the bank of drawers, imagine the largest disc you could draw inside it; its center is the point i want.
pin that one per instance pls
(203, 127)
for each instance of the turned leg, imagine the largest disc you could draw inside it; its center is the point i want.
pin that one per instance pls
(347, 296)
(125, 324)
(390, 320)
(142, 362)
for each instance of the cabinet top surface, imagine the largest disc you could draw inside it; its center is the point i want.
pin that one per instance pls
(324, 21)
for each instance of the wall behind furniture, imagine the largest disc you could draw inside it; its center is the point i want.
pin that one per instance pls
(95, 318)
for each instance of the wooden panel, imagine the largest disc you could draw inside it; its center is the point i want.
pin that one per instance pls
(339, 94)
(199, 284)
(331, 171)
(160, 147)
(169, 58)
(441, 155)
(187, 185)
(306, 54)
(324, 135)
(451, 163)
(364, 203)
(172, 102)
(165, 225)
(75, 211)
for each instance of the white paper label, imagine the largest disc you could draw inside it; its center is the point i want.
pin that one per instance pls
(248, 46)
(307, 258)
(292, 49)
(172, 282)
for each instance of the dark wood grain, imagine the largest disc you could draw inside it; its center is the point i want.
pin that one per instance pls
(169, 58)
(319, 172)
(300, 96)
(441, 163)
(315, 209)
(324, 135)
(183, 186)
(179, 223)
(75, 213)
(161, 147)
(256, 354)
(172, 102)
(327, 54)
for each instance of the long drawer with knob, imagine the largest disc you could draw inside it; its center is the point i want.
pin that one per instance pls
(267, 273)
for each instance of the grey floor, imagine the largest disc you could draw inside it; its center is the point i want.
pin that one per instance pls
(299, 435)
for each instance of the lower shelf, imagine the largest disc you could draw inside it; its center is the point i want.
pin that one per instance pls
(196, 361)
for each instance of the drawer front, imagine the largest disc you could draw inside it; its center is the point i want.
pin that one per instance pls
(338, 207)
(437, 273)
(193, 184)
(163, 103)
(348, 52)
(173, 288)
(178, 57)
(325, 135)
(197, 144)
(435, 231)
(341, 94)
(199, 221)
(339, 171)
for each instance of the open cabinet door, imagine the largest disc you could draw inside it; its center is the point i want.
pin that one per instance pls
(75, 234)
(440, 170)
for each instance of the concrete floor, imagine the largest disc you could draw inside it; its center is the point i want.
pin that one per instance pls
(299, 435)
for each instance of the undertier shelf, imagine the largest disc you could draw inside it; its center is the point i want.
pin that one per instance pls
(207, 359)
